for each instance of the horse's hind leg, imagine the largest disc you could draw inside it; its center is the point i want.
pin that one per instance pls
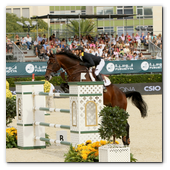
(126, 139)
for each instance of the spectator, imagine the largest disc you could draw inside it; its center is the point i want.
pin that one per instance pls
(100, 50)
(44, 38)
(124, 56)
(57, 42)
(128, 58)
(128, 37)
(42, 42)
(102, 44)
(129, 55)
(17, 41)
(47, 51)
(133, 39)
(96, 38)
(113, 57)
(131, 47)
(53, 49)
(122, 37)
(154, 40)
(23, 43)
(134, 57)
(69, 42)
(136, 51)
(141, 56)
(153, 36)
(39, 37)
(146, 41)
(45, 45)
(58, 49)
(127, 43)
(106, 37)
(112, 39)
(116, 38)
(142, 38)
(126, 50)
(9, 46)
(159, 40)
(37, 48)
(121, 50)
(137, 37)
(63, 42)
(92, 44)
(116, 52)
(28, 41)
(148, 37)
(76, 41)
(42, 53)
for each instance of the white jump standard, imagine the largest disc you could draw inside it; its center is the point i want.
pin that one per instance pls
(86, 101)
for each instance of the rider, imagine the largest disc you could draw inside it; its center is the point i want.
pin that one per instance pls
(90, 60)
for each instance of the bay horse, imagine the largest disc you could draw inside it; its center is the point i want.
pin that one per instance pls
(113, 97)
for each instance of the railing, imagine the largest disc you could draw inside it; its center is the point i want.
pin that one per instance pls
(155, 50)
(17, 53)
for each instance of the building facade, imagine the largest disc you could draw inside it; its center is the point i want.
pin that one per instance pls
(145, 16)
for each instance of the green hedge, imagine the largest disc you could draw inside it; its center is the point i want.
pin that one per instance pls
(115, 79)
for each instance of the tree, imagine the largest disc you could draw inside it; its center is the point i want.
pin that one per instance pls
(113, 123)
(86, 27)
(12, 26)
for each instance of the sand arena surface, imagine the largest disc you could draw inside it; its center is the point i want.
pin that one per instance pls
(145, 134)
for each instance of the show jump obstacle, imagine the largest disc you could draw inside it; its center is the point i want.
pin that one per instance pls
(86, 101)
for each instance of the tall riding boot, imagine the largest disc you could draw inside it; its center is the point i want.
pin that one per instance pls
(99, 78)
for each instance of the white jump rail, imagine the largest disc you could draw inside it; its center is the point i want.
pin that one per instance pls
(86, 101)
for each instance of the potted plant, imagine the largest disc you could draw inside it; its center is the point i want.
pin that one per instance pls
(113, 125)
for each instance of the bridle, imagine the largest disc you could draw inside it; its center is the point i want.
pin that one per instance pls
(65, 70)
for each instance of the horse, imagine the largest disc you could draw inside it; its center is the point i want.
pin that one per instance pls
(113, 97)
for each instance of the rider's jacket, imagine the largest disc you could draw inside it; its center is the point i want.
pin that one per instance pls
(90, 60)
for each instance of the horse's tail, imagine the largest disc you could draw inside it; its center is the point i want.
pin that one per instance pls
(138, 101)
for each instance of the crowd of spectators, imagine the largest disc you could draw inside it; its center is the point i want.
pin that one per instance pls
(112, 47)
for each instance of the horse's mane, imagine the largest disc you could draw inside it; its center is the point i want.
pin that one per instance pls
(69, 54)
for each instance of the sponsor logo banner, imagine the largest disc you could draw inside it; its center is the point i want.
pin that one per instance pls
(111, 67)
(143, 88)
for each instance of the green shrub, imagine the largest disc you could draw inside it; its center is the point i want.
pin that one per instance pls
(113, 123)
(11, 138)
(115, 79)
(10, 110)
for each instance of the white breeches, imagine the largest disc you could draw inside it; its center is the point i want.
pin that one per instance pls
(99, 67)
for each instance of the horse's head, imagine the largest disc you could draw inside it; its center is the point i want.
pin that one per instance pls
(52, 67)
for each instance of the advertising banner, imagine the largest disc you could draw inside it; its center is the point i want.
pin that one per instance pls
(26, 68)
(143, 88)
(132, 67)
(111, 67)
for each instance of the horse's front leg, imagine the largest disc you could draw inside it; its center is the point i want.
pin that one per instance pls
(126, 139)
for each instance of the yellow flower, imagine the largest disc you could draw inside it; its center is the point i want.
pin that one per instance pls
(84, 156)
(7, 85)
(88, 141)
(84, 147)
(96, 153)
(8, 93)
(116, 142)
(103, 142)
